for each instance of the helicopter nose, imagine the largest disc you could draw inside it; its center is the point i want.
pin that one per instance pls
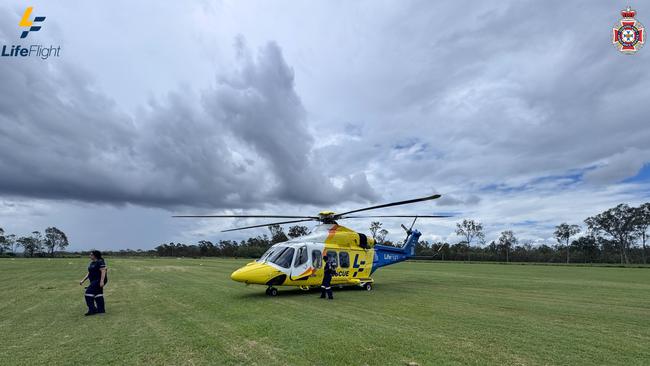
(255, 273)
(239, 275)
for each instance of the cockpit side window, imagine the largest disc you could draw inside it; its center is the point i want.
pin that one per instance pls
(301, 257)
(316, 258)
(276, 253)
(283, 258)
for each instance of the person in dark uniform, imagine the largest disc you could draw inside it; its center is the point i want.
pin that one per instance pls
(325, 287)
(98, 279)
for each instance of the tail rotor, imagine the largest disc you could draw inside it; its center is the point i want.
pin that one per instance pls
(409, 230)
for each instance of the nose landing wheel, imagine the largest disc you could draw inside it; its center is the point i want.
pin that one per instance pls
(272, 291)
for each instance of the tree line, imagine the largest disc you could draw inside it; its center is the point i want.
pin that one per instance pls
(34, 245)
(617, 235)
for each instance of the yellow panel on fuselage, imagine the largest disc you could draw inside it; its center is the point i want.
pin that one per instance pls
(340, 239)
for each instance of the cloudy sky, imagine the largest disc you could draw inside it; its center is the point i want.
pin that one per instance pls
(522, 114)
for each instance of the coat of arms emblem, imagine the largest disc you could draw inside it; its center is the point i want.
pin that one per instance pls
(628, 33)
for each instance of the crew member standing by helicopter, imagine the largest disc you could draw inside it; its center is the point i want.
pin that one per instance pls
(326, 287)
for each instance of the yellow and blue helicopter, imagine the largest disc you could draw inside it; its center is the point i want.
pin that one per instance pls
(298, 262)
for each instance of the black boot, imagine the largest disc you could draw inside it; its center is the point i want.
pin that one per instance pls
(330, 296)
(91, 304)
(322, 292)
(99, 299)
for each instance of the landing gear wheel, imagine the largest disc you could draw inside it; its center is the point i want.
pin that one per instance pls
(368, 286)
(272, 291)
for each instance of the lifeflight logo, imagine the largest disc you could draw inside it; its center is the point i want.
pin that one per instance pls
(34, 50)
(25, 22)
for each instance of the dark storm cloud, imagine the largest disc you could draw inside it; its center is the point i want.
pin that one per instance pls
(241, 143)
(261, 108)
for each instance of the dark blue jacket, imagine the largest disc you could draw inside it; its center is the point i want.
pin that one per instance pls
(95, 273)
(328, 271)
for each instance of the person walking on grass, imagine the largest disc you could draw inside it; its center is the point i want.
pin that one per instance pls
(326, 287)
(98, 279)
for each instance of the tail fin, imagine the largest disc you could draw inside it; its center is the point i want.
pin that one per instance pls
(409, 244)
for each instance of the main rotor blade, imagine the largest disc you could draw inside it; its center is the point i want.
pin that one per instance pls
(268, 224)
(391, 204)
(250, 216)
(404, 216)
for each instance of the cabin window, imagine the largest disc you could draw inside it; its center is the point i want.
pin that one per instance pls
(344, 259)
(316, 258)
(283, 257)
(331, 257)
(301, 257)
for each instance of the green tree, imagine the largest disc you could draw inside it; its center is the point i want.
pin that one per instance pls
(297, 231)
(641, 224)
(206, 248)
(619, 224)
(31, 244)
(422, 248)
(470, 230)
(381, 237)
(563, 234)
(506, 241)
(227, 248)
(587, 245)
(3, 241)
(10, 242)
(375, 227)
(277, 234)
(55, 238)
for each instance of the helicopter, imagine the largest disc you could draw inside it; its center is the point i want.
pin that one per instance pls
(299, 262)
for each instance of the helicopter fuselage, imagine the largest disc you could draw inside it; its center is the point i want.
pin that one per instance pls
(299, 262)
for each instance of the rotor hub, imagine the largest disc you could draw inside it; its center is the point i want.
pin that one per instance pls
(327, 217)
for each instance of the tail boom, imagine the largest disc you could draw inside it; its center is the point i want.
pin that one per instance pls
(386, 255)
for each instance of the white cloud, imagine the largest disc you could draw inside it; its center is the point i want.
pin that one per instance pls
(619, 166)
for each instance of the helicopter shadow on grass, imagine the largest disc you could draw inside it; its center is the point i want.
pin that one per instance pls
(294, 292)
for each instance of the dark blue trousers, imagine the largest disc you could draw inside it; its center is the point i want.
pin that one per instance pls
(95, 296)
(326, 288)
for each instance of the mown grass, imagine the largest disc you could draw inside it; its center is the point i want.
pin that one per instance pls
(189, 312)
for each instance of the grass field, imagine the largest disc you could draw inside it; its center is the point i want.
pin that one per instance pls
(189, 312)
